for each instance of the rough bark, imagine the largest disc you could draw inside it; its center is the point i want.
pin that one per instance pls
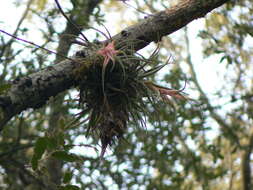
(34, 90)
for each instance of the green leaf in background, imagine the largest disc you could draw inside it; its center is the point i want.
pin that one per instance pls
(69, 187)
(39, 149)
(67, 177)
(52, 143)
(34, 163)
(60, 139)
(64, 156)
(4, 87)
(56, 141)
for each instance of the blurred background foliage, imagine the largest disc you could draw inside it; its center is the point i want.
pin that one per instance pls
(205, 144)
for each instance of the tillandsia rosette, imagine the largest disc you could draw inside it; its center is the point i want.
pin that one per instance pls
(115, 90)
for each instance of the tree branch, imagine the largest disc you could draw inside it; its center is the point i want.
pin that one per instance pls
(226, 128)
(34, 90)
(166, 22)
(246, 165)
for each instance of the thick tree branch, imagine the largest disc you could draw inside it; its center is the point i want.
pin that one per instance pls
(166, 22)
(34, 90)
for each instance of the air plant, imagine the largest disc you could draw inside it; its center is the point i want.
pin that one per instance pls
(115, 90)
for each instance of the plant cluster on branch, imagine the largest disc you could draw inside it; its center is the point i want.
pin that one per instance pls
(115, 89)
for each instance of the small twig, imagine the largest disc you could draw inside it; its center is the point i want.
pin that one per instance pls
(38, 46)
(107, 38)
(137, 9)
(107, 31)
(7, 45)
(67, 18)
(15, 149)
(83, 145)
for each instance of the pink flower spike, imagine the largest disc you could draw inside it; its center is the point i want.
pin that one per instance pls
(171, 92)
(165, 92)
(108, 52)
